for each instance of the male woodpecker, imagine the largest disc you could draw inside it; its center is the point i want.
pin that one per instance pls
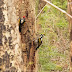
(21, 22)
(40, 41)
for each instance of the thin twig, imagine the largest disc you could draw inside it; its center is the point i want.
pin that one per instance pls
(58, 8)
(40, 12)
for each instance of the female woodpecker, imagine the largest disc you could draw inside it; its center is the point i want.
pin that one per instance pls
(21, 23)
(40, 41)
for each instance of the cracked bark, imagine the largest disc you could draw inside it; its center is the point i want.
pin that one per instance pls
(10, 52)
(70, 30)
(27, 8)
(17, 51)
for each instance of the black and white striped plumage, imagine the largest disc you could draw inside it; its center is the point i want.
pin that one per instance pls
(40, 41)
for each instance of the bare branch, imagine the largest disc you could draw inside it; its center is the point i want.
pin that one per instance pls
(40, 12)
(58, 8)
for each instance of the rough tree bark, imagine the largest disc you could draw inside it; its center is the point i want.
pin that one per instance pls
(17, 50)
(70, 30)
(10, 51)
(27, 8)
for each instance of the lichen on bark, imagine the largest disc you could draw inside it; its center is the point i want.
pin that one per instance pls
(10, 51)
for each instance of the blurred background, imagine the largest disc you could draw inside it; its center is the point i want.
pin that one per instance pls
(54, 51)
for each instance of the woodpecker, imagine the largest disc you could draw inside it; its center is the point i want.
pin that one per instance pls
(21, 23)
(40, 41)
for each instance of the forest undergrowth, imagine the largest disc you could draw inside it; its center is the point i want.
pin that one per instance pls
(54, 51)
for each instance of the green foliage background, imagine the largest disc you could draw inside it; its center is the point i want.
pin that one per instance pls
(54, 52)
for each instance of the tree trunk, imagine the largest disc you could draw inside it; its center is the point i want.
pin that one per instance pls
(27, 8)
(70, 30)
(10, 51)
(17, 50)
